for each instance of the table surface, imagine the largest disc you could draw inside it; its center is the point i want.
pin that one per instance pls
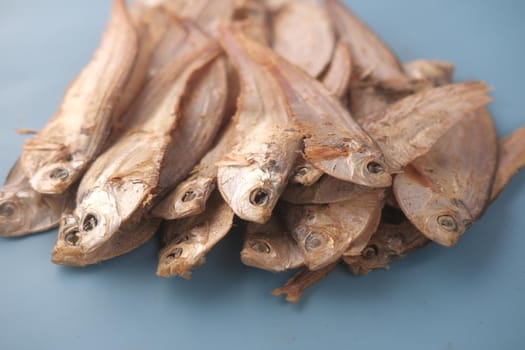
(468, 297)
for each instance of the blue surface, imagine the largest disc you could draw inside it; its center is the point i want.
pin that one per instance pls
(468, 297)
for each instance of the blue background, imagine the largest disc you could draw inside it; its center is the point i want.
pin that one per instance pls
(468, 297)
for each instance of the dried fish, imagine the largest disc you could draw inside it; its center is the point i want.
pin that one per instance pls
(394, 238)
(186, 242)
(23, 210)
(254, 173)
(270, 247)
(60, 153)
(325, 232)
(511, 159)
(305, 173)
(446, 190)
(121, 185)
(300, 28)
(294, 288)
(408, 128)
(254, 17)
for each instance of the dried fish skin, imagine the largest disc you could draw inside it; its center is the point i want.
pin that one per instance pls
(300, 28)
(511, 159)
(60, 153)
(446, 190)
(438, 72)
(372, 59)
(270, 247)
(325, 232)
(327, 190)
(24, 211)
(186, 242)
(120, 187)
(253, 176)
(295, 286)
(394, 238)
(338, 75)
(410, 127)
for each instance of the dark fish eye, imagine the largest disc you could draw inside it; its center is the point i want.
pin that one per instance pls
(375, 168)
(447, 222)
(302, 171)
(313, 241)
(7, 209)
(90, 222)
(59, 174)
(189, 196)
(260, 247)
(370, 252)
(259, 197)
(176, 253)
(72, 237)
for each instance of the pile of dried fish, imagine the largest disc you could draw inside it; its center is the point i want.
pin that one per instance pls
(291, 115)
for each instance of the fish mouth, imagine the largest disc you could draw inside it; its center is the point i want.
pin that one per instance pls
(54, 178)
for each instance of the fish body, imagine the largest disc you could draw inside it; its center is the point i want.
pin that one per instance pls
(58, 155)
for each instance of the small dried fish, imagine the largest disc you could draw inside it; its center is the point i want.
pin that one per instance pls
(60, 153)
(339, 73)
(186, 242)
(121, 185)
(326, 190)
(23, 210)
(325, 232)
(371, 58)
(511, 159)
(408, 128)
(300, 28)
(294, 288)
(394, 238)
(254, 173)
(446, 190)
(270, 247)
(438, 72)
(305, 173)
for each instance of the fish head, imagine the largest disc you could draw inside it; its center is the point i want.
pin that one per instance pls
(370, 168)
(318, 244)
(56, 178)
(93, 222)
(25, 211)
(184, 253)
(251, 191)
(446, 221)
(306, 174)
(263, 252)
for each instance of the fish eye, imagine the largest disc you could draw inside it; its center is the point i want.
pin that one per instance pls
(447, 222)
(59, 174)
(89, 223)
(189, 196)
(260, 247)
(7, 209)
(72, 237)
(313, 241)
(375, 168)
(259, 197)
(177, 252)
(370, 252)
(302, 171)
